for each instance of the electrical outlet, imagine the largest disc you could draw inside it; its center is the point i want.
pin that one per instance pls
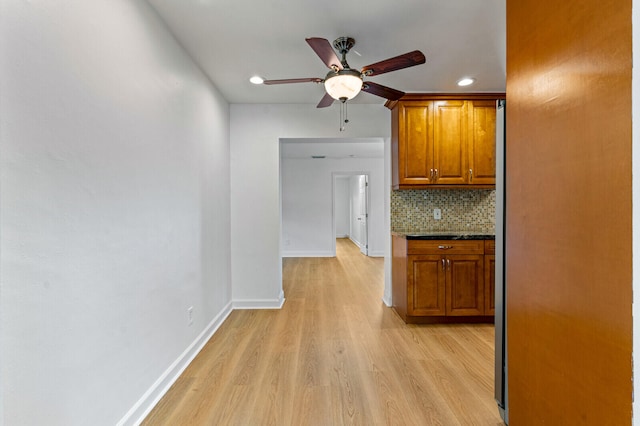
(190, 315)
(437, 214)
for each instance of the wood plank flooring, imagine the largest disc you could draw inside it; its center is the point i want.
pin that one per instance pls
(335, 355)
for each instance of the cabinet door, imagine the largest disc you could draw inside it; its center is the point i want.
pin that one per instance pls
(426, 285)
(482, 142)
(450, 142)
(415, 143)
(490, 284)
(465, 285)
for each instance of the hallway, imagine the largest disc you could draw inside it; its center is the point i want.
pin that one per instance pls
(335, 355)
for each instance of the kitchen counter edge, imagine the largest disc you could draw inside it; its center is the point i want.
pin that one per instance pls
(444, 235)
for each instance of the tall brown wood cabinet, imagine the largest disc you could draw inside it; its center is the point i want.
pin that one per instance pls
(571, 276)
(444, 140)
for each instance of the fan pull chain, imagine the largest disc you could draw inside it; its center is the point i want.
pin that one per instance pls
(343, 115)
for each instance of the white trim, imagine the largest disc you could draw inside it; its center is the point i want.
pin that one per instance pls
(260, 303)
(342, 236)
(377, 253)
(386, 299)
(387, 222)
(356, 242)
(152, 396)
(307, 253)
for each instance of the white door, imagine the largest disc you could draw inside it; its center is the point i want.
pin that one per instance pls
(361, 213)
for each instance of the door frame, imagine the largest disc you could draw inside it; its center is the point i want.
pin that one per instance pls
(334, 177)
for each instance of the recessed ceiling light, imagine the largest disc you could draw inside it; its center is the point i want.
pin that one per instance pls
(256, 79)
(466, 81)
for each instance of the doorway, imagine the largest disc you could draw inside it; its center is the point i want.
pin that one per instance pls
(351, 209)
(308, 172)
(307, 167)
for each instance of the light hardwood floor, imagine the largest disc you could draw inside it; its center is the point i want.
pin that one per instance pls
(335, 355)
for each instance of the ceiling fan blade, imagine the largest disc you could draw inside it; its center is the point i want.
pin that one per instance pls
(294, 80)
(323, 49)
(396, 63)
(326, 101)
(382, 91)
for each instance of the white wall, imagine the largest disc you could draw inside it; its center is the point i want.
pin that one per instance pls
(307, 204)
(341, 206)
(255, 169)
(114, 210)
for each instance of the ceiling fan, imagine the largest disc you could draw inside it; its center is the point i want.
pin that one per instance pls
(342, 82)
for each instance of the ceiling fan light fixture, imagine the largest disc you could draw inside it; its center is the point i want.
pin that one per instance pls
(256, 79)
(343, 85)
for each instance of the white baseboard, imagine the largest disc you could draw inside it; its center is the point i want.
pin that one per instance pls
(356, 242)
(342, 236)
(386, 299)
(145, 404)
(376, 253)
(259, 303)
(143, 407)
(301, 253)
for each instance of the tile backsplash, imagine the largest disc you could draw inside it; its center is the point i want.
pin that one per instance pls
(462, 209)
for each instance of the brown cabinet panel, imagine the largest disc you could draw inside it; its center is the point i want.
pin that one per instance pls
(489, 277)
(489, 284)
(446, 247)
(571, 323)
(465, 285)
(426, 280)
(489, 246)
(415, 145)
(482, 142)
(450, 142)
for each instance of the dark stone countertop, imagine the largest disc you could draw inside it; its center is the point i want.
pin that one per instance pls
(446, 235)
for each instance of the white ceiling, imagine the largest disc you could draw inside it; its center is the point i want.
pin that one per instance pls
(232, 40)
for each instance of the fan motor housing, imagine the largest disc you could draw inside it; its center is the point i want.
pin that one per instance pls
(343, 44)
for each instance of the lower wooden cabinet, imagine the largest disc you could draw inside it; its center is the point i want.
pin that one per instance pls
(426, 294)
(465, 285)
(442, 280)
(490, 277)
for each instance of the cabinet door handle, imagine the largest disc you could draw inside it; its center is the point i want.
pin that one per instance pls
(445, 247)
(431, 175)
(470, 175)
(443, 267)
(448, 264)
(435, 174)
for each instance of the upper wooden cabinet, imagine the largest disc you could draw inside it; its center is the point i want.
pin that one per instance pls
(444, 140)
(482, 142)
(412, 142)
(450, 160)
